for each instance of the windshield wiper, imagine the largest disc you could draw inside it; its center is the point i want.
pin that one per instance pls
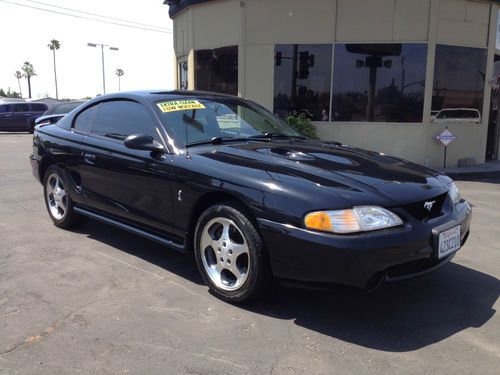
(266, 137)
(277, 135)
(220, 140)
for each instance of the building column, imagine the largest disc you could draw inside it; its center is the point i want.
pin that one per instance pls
(242, 52)
(429, 77)
(492, 39)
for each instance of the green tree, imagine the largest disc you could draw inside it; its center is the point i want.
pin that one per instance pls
(18, 76)
(119, 72)
(302, 124)
(29, 72)
(54, 45)
(9, 94)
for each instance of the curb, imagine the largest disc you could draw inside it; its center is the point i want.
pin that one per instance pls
(473, 176)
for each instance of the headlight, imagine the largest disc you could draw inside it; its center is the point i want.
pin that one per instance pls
(357, 219)
(452, 188)
(453, 192)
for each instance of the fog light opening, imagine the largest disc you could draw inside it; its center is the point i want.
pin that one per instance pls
(375, 281)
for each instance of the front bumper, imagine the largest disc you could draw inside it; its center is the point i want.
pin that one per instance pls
(361, 260)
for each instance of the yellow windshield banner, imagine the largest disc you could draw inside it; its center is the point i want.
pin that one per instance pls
(179, 105)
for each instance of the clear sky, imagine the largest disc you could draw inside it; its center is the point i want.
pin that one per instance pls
(146, 57)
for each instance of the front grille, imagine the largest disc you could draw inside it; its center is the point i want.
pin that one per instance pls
(419, 211)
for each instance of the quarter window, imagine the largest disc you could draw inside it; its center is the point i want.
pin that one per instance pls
(84, 120)
(119, 119)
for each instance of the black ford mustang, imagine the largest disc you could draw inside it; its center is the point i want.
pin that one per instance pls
(221, 176)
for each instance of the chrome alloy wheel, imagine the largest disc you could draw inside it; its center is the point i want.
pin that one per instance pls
(56, 197)
(224, 253)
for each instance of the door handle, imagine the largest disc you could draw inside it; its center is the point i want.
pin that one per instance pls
(89, 159)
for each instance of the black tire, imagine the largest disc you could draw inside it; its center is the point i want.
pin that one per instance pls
(258, 275)
(70, 218)
(31, 126)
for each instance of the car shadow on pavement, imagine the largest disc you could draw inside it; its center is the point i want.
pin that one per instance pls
(397, 317)
(171, 260)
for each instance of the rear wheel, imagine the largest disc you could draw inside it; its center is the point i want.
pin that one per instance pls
(230, 254)
(58, 202)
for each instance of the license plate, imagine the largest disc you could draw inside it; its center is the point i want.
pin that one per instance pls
(449, 241)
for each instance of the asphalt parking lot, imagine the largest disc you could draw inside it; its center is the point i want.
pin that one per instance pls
(99, 300)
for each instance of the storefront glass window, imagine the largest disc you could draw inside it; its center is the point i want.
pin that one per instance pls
(459, 78)
(379, 82)
(302, 80)
(217, 70)
(183, 75)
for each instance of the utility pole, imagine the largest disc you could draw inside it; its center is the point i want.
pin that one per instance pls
(102, 61)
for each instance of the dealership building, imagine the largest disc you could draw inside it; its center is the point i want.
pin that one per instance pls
(370, 73)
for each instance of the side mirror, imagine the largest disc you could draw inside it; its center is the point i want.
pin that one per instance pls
(143, 142)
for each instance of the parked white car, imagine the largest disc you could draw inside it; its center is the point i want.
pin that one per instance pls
(458, 115)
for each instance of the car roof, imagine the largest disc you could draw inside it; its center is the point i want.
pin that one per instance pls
(152, 95)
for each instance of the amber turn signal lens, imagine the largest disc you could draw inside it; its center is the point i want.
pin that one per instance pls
(318, 221)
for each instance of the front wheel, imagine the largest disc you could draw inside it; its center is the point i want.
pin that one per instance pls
(230, 254)
(31, 126)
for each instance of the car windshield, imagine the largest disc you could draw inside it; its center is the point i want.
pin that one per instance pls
(199, 120)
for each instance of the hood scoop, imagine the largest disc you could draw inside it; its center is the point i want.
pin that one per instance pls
(287, 153)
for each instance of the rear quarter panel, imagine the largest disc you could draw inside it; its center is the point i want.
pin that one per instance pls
(54, 145)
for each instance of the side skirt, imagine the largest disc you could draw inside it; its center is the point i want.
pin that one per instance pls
(131, 229)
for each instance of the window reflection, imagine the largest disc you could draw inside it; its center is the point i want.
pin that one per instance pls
(217, 70)
(379, 82)
(183, 75)
(302, 79)
(459, 77)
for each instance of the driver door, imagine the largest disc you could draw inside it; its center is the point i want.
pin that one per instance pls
(130, 185)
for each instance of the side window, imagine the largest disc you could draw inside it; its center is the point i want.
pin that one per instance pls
(83, 121)
(4, 108)
(119, 119)
(21, 108)
(39, 107)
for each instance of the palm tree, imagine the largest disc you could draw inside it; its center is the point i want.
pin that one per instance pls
(53, 46)
(19, 75)
(29, 72)
(119, 72)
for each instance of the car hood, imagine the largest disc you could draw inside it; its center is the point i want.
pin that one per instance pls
(359, 176)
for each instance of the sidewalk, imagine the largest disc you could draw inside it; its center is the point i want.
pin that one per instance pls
(490, 169)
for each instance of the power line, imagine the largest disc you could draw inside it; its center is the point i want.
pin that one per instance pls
(87, 18)
(98, 15)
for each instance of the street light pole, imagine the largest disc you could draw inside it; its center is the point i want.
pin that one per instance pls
(102, 60)
(103, 75)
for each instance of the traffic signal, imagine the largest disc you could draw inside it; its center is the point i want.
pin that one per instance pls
(277, 58)
(304, 61)
(312, 59)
